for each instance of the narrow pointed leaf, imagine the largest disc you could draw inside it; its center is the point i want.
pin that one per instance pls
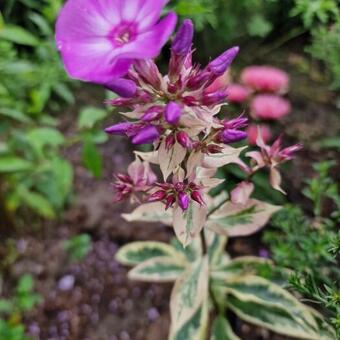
(241, 220)
(188, 297)
(138, 252)
(158, 269)
(221, 330)
(150, 212)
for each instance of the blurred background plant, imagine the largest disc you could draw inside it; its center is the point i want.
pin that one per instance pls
(13, 309)
(269, 24)
(315, 239)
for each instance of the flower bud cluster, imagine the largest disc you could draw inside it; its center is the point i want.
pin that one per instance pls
(179, 192)
(175, 102)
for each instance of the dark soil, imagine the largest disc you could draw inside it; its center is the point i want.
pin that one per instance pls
(93, 299)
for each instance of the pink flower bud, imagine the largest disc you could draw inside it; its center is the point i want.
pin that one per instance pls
(183, 39)
(288, 153)
(231, 136)
(148, 71)
(157, 196)
(196, 196)
(169, 142)
(170, 201)
(153, 113)
(146, 135)
(183, 200)
(119, 129)
(173, 113)
(199, 80)
(214, 149)
(215, 98)
(222, 63)
(183, 139)
(236, 123)
(123, 87)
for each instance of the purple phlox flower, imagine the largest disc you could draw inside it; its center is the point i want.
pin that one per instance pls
(99, 39)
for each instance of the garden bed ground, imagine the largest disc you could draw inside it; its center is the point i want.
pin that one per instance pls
(93, 299)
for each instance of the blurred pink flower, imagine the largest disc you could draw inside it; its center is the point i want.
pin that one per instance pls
(265, 78)
(237, 93)
(99, 39)
(269, 106)
(252, 132)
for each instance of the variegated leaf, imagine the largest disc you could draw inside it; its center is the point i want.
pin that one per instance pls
(192, 252)
(227, 156)
(218, 200)
(245, 265)
(241, 220)
(188, 224)
(276, 319)
(196, 327)
(138, 252)
(158, 269)
(169, 160)
(266, 304)
(216, 245)
(188, 297)
(221, 330)
(150, 212)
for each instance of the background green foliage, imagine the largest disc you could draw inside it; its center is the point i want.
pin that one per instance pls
(316, 243)
(270, 22)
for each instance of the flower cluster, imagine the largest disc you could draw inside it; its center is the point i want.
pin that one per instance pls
(181, 104)
(113, 43)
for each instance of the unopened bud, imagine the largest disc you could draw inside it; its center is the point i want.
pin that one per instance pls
(123, 87)
(173, 113)
(183, 139)
(222, 63)
(183, 200)
(146, 135)
(231, 136)
(119, 129)
(196, 196)
(170, 201)
(183, 39)
(153, 113)
(169, 142)
(157, 196)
